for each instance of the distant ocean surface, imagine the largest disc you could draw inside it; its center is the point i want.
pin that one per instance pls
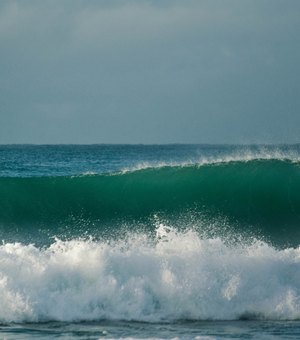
(149, 241)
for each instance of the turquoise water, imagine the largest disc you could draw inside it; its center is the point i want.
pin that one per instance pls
(174, 241)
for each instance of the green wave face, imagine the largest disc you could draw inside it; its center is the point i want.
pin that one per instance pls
(258, 194)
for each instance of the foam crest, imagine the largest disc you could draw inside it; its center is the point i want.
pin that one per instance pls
(173, 276)
(240, 155)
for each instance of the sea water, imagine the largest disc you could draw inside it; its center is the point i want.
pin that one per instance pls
(160, 242)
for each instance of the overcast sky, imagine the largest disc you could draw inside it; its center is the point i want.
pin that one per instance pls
(156, 71)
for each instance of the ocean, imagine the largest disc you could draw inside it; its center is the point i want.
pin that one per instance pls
(150, 241)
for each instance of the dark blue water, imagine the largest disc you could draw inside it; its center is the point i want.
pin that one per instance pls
(63, 160)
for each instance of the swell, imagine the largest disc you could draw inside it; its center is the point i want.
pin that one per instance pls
(263, 194)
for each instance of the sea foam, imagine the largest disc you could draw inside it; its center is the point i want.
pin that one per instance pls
(175, 276)
(239, 155)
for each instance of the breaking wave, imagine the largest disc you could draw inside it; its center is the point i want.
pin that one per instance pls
(174, 276)
(259, 195)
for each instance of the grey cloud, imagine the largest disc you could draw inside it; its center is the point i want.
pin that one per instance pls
(149, 71)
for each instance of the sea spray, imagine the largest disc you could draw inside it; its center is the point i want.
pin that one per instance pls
(174, 276)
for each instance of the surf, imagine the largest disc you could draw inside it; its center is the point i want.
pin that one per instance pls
(261, 195)
(174, 276)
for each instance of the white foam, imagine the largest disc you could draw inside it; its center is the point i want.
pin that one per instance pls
(176, 276)
(243, 155)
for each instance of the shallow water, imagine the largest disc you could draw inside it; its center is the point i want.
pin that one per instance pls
(206, 330)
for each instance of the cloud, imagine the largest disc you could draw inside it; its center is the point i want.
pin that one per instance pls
(161, 70)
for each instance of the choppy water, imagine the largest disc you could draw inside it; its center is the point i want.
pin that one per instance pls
(178, 241)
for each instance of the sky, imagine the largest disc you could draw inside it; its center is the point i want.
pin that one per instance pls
(149, 71)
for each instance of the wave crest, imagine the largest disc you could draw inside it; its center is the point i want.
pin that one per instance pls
(263, 195)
